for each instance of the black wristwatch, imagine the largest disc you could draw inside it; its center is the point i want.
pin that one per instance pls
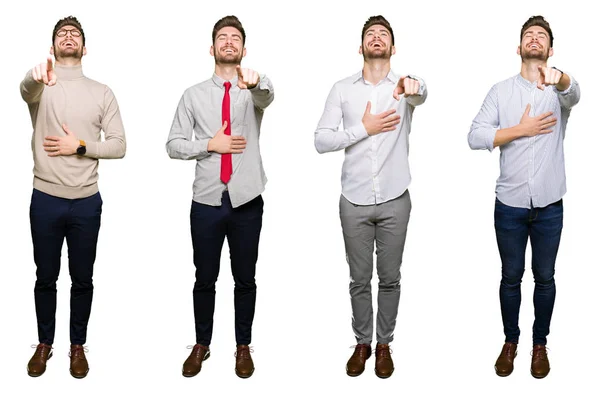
(81, 150)
(556, 68)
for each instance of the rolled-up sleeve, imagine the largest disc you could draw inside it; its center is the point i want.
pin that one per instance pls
(486, 123)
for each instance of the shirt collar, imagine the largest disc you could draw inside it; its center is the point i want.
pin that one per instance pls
(391, 76)
(220, 81)
(525, 83)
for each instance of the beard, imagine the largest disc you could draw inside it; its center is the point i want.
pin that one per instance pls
(235, 58)
(75, 53)
(537, 55)
(376, 54)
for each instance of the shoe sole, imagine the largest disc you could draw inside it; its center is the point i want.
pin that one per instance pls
(354, 374)
(192, 375)
(539, 376)
(244, 376)
(79, 377)
(382, 376)
(38, 374)
(501, 374)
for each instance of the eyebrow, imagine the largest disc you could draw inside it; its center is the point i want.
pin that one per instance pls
(540, 32)
(233, 35)
(378, 30)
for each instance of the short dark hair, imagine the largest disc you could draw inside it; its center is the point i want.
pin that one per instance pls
(68, 21)
(232, 21)
(537, 20)
(376, 20)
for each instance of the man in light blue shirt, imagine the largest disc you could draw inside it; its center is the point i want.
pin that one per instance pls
(526, 116)
(376, 107)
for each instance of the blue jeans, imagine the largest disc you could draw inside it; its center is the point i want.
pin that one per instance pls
(543, 226)
(53, 220)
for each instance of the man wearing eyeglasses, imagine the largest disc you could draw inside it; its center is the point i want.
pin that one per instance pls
(217, 124)
(68, 112)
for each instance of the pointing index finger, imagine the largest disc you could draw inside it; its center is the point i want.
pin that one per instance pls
(238, 68)
(49, 64)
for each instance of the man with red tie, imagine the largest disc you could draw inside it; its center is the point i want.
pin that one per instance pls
(224, 114)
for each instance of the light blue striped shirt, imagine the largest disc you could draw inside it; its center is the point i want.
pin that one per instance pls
(532, 169)
(375, 168)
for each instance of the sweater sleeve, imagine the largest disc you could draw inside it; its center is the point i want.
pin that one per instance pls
(114, 145)
(31, 90)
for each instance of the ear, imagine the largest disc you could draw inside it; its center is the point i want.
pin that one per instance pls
(84, 51)
(393, 50)
(52, 50)
(212, 50)
(519, 50)
(551, 52)
(360, 50)
(244, 52)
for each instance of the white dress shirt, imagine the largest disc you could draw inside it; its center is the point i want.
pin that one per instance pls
(375, 168)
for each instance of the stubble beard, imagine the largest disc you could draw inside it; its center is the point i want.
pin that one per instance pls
(368, 54)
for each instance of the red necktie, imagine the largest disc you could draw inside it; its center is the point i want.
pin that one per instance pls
(226, 167)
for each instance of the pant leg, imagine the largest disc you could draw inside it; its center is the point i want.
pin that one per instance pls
(47, 218)
(546, 229)
(243, 234)
(359, 235)
(208, 227)
(83, 227)
(390, 236)
(512, 232)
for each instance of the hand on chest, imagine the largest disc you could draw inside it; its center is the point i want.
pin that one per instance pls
(354, 104)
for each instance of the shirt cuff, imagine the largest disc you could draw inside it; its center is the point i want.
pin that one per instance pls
(421, 84)
(566, 91)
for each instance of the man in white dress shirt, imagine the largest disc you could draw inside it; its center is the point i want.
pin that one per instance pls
(376, 107)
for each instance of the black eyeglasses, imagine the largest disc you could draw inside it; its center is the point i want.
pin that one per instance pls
(63, 32)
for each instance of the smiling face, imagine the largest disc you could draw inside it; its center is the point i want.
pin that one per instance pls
(68, 43)
(535, 44)
(377, 43)
(228, 46)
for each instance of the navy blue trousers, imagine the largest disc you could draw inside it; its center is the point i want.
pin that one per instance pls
(53, 220)
(210, 225)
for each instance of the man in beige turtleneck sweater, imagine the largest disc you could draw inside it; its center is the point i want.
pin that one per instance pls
(68, 111)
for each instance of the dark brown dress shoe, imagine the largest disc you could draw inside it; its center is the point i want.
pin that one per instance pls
(244, 367)
(384, 366)
(505, 362)
(79, 365)
(37, 364)
(540, 366)
(356, 363)
(193, 363)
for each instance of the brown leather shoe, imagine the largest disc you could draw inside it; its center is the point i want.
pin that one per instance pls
(193, 363)
(384, 366)
(540, 366)
(37, 364)
(79, 365)
(356, 363)
(505, 362)
(244, 367)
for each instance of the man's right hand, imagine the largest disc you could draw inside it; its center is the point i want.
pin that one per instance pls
(224, 144)
(542, 124)
(379, 123)
(44, 72)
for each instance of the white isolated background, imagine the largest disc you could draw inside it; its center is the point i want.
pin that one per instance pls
(449, 329)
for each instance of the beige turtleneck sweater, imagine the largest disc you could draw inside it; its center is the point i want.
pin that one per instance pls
(86, 107)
